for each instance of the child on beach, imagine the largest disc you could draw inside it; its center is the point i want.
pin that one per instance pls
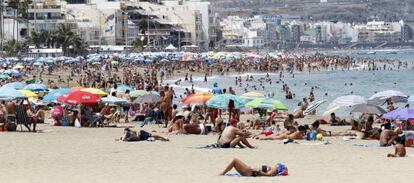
(399, 149)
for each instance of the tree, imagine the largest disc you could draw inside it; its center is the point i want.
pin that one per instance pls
(79, 47)
(12, 48)
(36, 39)
(65, 37)
(138, 44)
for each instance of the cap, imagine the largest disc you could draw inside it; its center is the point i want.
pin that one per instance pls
(234, 120)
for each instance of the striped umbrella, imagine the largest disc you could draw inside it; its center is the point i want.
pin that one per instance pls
(28, 93)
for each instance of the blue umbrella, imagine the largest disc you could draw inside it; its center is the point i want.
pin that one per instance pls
(54, 94)
(4, 76)
(15, 85)
(401, 114)
(122, 88)
(222, 101)
(10, 93)
(36, 87)
(113, 100)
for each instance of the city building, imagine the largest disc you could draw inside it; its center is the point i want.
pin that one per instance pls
(379, 32)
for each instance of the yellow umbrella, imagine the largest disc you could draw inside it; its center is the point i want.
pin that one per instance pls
(28, 93)
(95, 91)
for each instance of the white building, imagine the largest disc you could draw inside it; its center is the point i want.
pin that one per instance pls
(379, 31)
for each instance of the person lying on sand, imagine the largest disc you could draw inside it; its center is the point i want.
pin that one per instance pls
(387, 136)
(245, 170)
(133, 136)
(291, 135)
(315, 126)
(233, 136)
(399, 148)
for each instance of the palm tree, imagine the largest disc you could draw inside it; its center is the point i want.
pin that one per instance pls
(12, 47)
(48, 37)
(80, 47)
(36, 38)
(65, 37)
(138, 44)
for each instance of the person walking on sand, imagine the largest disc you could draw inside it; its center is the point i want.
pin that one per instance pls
(232, 136)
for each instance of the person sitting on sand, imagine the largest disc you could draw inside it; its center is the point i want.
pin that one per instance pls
(233, 136)
(133, 136)
(315, 126)
(290, 122)
(290, 135)
(387, 136)
(399, 148)
(244, 170)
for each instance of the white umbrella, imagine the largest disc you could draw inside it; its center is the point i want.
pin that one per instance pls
(171, 47)
(346, 101)
(380, 97)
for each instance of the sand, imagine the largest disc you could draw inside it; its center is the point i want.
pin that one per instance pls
(66, 154)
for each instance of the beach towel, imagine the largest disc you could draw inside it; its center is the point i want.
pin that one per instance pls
(212, 146)
(366, 145)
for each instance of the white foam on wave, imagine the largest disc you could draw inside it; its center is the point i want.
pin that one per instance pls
(251, 74)
(189, 87)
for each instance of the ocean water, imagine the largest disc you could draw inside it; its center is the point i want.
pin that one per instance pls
(334, 83)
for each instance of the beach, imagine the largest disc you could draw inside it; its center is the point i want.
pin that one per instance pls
(60, 152)
(64, 154)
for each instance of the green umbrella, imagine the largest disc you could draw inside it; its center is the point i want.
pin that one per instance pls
(266, 103)
(137, 93)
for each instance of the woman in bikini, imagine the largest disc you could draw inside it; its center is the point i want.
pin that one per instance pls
(244, 170)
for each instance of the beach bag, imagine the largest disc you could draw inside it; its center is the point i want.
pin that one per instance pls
(77, 124)
(11, 127)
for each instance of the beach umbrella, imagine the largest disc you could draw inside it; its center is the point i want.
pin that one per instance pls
(4, 76)
(252, 95)
(77, 88)
(198, 98)
(18, 67)
(368, 108)
(113, 100)
(11, 71)
(54, 94)
(122, 88)
(15, 85)
(266, 103)
(36, 87)
(149, 97)
(10, 93)
(79, 97)
(28, 93)
(347, 101)
(222, 101)
(137, 93)
(95, 91)
(313, 106)
(380, 97)
(400, 114)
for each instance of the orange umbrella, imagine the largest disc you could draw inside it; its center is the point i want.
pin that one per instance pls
(198, 98)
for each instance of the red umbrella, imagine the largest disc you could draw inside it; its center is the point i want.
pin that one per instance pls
(62, 98)
(80, 97)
